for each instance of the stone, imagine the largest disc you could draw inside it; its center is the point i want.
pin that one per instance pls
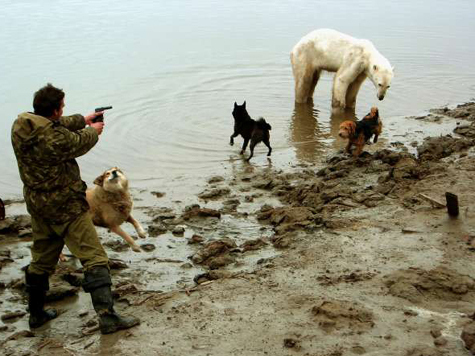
(157, 229)
(147, 247)
(115, 263)
(440, 341)
(13, 315)
(468, 335)
(178, 230)
(60, 292)
(196, 239)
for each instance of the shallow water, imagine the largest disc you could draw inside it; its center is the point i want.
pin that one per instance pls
(172, 71)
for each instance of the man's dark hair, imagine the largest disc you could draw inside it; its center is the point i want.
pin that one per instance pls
(47, 100)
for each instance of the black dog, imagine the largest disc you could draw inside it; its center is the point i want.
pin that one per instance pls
(370, 125)
(249, 129)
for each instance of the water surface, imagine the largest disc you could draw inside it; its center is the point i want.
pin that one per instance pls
(173, 69)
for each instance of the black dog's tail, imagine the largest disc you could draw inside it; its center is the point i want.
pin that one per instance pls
(263, 124)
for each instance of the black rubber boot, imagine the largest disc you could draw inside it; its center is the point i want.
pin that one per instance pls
(36, 286)
(98, 282)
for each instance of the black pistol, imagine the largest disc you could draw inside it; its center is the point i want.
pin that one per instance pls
(100, 118)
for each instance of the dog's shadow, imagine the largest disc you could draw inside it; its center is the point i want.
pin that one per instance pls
(242, 167)
(254, 164)
(306, 134)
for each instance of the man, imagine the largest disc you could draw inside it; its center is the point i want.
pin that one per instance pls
(46, 145)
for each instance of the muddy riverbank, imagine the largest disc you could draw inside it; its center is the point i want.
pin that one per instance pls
(341, 257)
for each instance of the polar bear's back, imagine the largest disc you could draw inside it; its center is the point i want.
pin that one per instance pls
(329, 34)
(328, 48)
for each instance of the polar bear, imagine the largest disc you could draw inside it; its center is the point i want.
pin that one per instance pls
(352, 59)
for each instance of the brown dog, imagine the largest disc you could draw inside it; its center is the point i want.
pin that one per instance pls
(359, 133)
(110, 204)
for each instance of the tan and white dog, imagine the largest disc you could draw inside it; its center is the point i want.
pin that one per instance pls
(110, 205)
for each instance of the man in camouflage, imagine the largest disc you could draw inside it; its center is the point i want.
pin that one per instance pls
(46, 145)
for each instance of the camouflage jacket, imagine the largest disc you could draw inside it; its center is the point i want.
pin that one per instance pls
(45, 151)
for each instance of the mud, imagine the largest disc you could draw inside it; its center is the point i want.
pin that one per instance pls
(340, 257)
(441, 283)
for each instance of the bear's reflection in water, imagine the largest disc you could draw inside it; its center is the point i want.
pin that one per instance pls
(306, 134)
(309, 137)
(337, 117)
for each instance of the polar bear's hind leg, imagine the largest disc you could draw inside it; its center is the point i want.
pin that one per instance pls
(306, 77)
(302, 88)
(315, 78)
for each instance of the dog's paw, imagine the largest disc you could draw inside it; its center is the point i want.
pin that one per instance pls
(62, 258)
(136, 248)
(231, 143)
(142, 233)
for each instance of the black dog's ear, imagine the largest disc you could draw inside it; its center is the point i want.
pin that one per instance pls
(235, 104)
(244, 104)
(99, 180)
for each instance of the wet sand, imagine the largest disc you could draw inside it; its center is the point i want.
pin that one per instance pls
(338, 257)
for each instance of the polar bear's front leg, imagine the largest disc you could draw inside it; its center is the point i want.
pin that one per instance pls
(343, 79)
(340, 87)
(353, 90)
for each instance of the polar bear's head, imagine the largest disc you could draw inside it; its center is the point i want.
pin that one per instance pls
(381, 74)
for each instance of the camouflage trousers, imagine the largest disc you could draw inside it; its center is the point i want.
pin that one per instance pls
(79, 235)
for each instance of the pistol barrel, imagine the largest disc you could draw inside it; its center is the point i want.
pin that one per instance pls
(102, 108)
(100, 118)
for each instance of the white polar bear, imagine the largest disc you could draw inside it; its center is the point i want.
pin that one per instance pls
(352, 59)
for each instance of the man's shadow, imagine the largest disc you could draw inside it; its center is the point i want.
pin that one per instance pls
(305, 132)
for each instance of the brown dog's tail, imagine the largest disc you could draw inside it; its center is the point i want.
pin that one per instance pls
(262, 123)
